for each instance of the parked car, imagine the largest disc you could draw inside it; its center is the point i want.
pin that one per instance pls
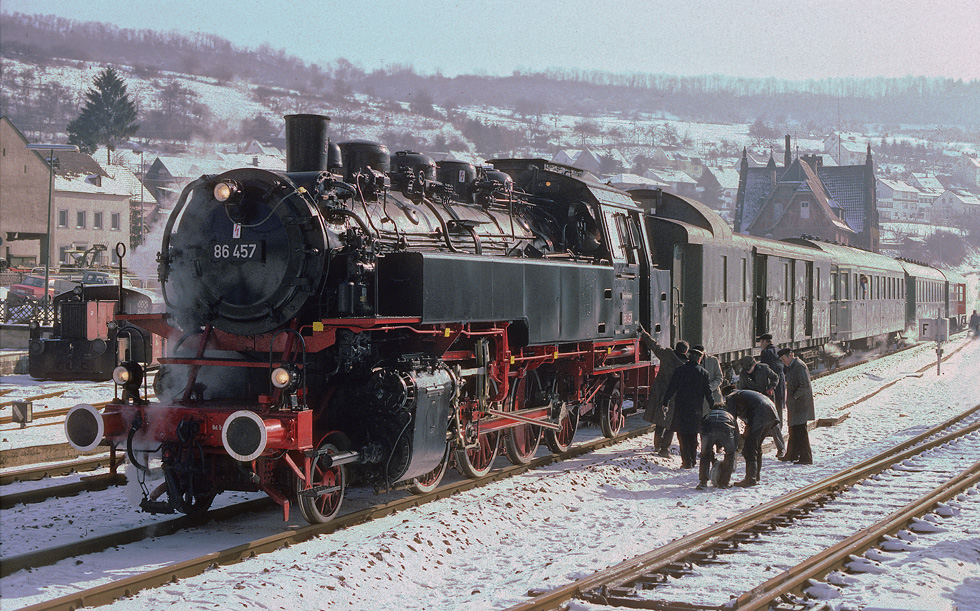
(33, 287)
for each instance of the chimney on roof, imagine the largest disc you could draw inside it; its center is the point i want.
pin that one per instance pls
(814, 161)
(786, 155)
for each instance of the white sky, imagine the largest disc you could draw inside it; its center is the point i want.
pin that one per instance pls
(758, 38)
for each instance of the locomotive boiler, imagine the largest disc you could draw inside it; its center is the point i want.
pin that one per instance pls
(371, 318)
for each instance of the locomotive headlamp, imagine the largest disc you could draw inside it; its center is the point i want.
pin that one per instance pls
(286, 378)
(128, 374)
(77, 290)
(226, 190)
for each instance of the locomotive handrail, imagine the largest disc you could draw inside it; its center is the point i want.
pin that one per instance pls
(442, 225)
(164, 257)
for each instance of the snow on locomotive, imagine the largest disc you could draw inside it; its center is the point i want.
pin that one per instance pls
(371, 318)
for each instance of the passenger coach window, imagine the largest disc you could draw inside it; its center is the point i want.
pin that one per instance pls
(833, 286)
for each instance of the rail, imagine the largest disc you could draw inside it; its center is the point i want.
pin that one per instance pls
(717, 535)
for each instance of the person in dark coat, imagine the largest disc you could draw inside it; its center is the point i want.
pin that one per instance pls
(758, 412)
(670, 360)
(757, 376)
(975, 324)
(718, 431)
(799, 408)
(770, 358)
(690, 384)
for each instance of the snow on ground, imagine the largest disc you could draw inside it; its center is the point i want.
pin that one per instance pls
(485, 548)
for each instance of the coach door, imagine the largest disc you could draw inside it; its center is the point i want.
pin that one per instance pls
(834, 296)
(808, 287)
(677, 288)
(761, 296)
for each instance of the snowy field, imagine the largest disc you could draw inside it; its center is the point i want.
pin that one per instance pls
(485, 548)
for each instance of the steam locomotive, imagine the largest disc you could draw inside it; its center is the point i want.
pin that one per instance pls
(368, 318)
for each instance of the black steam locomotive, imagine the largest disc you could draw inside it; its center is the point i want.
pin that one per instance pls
(373, 317)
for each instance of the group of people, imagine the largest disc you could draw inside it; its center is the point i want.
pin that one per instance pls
(687, 399)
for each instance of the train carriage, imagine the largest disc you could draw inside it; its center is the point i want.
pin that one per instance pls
(925, 293)
(865, 295)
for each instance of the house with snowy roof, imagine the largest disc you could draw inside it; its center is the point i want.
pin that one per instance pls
(967, 171)
(676, 159)
(583, 159)
(898, 201)
(718, 187)
(837, 203)
(677, 182)
(88, 205)
(952, 204)
(254, 147)
(142, 204)
(846, 148)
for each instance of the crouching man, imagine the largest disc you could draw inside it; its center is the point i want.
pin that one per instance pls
(758, 412)
(718, 430)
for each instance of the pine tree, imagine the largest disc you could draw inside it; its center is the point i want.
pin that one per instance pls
(108, 117)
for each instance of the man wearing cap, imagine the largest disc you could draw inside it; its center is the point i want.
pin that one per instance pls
(690, 384)
(771, 358)
(799, 408)
(756, 376)
(758, 412)
(715, 377)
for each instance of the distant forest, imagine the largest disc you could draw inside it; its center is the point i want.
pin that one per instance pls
(47, 40)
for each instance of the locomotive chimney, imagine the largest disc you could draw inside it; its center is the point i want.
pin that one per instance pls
(306, 143)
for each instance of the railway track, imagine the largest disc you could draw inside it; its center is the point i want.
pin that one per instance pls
(629, 583)
(228, 556)
(111, 591)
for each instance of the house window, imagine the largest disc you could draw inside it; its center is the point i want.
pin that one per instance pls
(114, 221)
(62, 218)
(96, 220)
(80, 219)
(804, 210)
